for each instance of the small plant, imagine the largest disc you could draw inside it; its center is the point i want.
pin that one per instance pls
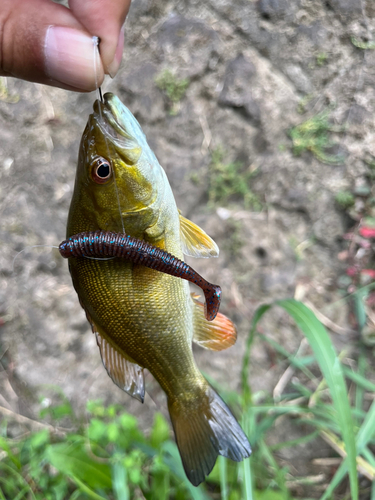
(313, 135)
(230, 181)
(321, 58)
(173, 88)
(195, 178)
(362, 45)
(344, 199)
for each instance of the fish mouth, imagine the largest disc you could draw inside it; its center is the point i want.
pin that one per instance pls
(117, 125)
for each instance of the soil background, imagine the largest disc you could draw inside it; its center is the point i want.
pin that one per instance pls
(252, 67)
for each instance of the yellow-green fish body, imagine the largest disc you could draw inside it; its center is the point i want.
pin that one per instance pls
(144, 318)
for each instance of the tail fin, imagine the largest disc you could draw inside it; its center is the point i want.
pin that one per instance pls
(205, 428)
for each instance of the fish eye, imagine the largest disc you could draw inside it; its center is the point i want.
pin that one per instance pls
(101, 170)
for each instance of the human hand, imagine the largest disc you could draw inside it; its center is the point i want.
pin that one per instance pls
(45, 42)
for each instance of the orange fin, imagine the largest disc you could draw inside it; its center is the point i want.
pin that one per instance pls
(218, 334)
(205, 428)
(125, 374)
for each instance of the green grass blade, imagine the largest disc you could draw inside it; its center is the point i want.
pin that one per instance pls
(367, 430)
(295, 442)
(359, 391)
(71, 459)
(120, 481)
(368, 455)
(21, 494)
(290, 357)
(247, 480)
(248, 422)
(246, 391)
(358, 379)
(18, 477)
(329, 363)
(175, 464)
(223, 478)
(359, 307)
(89, 492)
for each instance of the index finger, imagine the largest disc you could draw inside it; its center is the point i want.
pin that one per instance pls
(104, 18)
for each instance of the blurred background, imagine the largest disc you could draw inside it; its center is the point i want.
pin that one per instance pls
(262, 114)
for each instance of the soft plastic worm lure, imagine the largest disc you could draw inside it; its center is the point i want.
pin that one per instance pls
(99, 244)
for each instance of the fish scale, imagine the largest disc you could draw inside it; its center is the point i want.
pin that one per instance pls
(143, 318)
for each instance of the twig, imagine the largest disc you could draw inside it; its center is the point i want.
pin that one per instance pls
(21, 419)
(327, 322)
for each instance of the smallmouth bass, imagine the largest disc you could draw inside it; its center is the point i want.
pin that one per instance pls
(143, 318)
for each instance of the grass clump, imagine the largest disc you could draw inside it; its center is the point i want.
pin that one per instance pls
(314, 135)
(230, 181)
(173, 88)
(107, 458)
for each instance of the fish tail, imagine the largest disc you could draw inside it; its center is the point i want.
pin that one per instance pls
(205, 428)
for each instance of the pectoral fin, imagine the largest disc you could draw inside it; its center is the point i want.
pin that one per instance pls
(125, 374)
(195, 242)
(217, 335)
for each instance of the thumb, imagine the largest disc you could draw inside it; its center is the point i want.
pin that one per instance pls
(42, 41)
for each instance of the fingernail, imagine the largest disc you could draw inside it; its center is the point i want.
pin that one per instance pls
(72, 58)
(115, 64)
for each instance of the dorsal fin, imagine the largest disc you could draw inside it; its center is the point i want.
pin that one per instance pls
(218, 334)
(195, 242)
(125, 374)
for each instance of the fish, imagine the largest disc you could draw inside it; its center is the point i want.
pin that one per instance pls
(144, 318)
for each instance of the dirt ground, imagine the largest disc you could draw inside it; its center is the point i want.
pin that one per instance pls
(253, 70)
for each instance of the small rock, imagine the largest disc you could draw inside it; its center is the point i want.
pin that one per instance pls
(299, 78)
(237, 87)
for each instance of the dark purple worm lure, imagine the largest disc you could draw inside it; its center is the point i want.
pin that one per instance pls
(99, 244)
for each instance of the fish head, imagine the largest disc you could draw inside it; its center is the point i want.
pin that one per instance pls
(119, 183)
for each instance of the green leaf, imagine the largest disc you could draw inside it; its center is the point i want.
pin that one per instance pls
(73, 460)
(113, 432)
(97, 430)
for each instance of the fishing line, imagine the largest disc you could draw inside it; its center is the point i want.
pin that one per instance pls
(28, 248)
(96, 42)
(51, 246)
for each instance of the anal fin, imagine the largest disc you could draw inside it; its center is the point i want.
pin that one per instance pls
(218, 334)
(125, 374)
